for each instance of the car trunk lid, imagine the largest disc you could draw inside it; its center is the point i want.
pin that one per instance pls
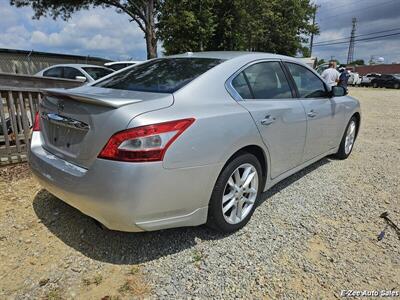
(76, 124)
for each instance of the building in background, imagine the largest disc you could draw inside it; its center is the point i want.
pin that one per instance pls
(31, 62)
(380, 69)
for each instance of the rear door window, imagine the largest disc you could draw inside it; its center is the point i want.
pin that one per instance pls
(97, 73)
(54, 72)
(164, 75)
(265, 80)
(71, 73)
(117, 67)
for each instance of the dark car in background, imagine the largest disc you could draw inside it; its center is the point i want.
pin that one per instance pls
(387, 80)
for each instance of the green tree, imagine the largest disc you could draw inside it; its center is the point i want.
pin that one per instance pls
(186, 25)
(142, 12)
(359, 62)
(278, 26)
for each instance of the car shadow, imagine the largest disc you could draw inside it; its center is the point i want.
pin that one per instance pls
(86, 236)
(291, 179)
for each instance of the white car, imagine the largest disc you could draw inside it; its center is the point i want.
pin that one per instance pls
(354, 79)
(118, 65)
(83, 73)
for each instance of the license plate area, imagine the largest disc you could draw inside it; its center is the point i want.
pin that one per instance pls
(64, 138)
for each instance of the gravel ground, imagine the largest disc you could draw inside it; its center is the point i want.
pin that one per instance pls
(314, 235)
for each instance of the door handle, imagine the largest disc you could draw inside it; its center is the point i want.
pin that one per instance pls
(268, 120)
(312, 114)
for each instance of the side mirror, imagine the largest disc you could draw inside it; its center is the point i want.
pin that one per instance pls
(338, 91)
(81, 78)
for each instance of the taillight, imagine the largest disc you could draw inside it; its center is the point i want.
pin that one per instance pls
(145, 143)
(36, 124)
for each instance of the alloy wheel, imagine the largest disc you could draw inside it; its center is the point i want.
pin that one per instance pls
(240, 193)
(350, 137)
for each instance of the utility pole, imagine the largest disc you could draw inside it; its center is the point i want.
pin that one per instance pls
(201, 37)
(312, 33)
(350, 54)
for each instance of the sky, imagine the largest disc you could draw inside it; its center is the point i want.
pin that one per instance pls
(105, 33)
(97, 32)
(334, 20)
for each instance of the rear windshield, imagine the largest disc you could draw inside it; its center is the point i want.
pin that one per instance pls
(97, 73)
(164, 75)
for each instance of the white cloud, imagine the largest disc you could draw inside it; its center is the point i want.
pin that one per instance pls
(97, 32)
(15, 35)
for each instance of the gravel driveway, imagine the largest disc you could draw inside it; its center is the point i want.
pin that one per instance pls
(314, 235)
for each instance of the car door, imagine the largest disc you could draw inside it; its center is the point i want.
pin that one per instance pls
(390, 81)
(265, 92)
(325, 115)
(384, 80)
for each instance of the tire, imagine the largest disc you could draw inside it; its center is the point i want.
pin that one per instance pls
(396, 85)
(344, 151)
(235, 198)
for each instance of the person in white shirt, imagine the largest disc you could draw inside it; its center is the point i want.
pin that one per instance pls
(331, 75)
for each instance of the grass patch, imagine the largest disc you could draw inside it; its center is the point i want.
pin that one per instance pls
(134, 286)
(54, 295)
(197, 255)
(97, 280)
(134, 270)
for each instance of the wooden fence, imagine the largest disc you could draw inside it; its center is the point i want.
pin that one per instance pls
(19, 100)
(18, 107)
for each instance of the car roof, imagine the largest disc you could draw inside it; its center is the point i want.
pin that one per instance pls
(123, 62)
(77, 66)
(226, 55)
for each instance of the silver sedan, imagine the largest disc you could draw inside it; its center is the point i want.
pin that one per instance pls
(189, 139)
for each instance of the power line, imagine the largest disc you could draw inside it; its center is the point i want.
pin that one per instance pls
(324, 4)
(360, 40)
(346, 38)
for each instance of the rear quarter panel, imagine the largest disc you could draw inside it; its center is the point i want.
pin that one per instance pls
(219, 130)
(222, 126)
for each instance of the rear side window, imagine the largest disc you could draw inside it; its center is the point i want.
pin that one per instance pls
(117, 67)
(164, 75)
(308, 84)
(264, 80)
(241, 86)
(54, 72)
(97, 73)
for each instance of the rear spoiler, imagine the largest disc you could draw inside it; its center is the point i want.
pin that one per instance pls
(87, 98)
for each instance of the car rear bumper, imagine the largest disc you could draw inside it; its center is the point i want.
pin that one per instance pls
(127, 196)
